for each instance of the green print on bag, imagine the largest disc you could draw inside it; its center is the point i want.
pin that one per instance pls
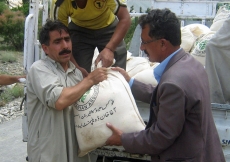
(83, 97)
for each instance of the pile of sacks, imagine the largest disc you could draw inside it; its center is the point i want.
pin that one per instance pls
(141, 69)
(194, 37)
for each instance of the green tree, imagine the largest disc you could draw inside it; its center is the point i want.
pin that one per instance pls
(12, 28)
(141, 10)
(3, 6)
(24, 8)
(148, 9)
(131, 9)
(25, 1)
(129, 34)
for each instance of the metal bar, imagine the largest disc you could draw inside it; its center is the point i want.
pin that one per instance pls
(220, 106)
(27, 39)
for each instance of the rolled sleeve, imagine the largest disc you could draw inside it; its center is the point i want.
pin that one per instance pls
(46, 90)
(54, 96)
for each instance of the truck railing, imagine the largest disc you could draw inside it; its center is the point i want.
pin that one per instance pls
(119, 152)
(32, 50)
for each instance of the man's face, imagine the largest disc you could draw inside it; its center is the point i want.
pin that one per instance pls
(59, 48)
(151, 46)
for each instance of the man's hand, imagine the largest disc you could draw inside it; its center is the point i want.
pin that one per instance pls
(70, 95)
(115, 138)
(123, 72)
(106, 56)
(98, 75)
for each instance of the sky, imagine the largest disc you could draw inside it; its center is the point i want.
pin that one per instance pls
(144, 4)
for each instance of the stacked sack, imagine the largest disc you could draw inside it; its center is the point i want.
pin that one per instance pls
(135, 65)
(222, 14)
(190, 33)
(141, 69)
(194, 37)
(198, 50)
(192, 40)
(146, 76)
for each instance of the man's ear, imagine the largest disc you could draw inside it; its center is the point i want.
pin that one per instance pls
(164, 44)
(45, 48)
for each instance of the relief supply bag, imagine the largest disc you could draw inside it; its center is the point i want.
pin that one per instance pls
(147, 76)
(222, 14)
(135, 65)
(198, 50)
(109, 101)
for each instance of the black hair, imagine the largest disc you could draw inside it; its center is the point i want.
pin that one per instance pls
(51, 25)
(163, 23)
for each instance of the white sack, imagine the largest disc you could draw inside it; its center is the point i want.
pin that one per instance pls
(93, 66)
(190, 33)
(129, 55)
(146, 76)
(198, 29)
(198, 50)
(96, 53)
(222, 14)
(109, 101)
(187, 39)
(136, 64)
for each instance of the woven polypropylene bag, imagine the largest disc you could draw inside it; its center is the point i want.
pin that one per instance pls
(109, 101)
(136, 64)
(146, 76)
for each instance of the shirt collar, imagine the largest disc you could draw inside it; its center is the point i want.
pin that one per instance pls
(58, 65)
(158, 71)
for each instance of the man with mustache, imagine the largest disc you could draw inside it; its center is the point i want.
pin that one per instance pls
(54, 84)
(180, 127)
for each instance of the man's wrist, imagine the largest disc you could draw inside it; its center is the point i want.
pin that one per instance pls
(109, 49)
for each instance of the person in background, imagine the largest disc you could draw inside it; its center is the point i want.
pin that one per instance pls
(101, 24)
(10, 79)
(54, 85)
(181, 125)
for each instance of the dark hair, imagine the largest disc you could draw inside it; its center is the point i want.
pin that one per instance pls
(163, 24)
(51, 25)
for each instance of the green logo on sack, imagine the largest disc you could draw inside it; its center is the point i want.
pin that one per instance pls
(82, 99)
(87, 99)
(202, 45)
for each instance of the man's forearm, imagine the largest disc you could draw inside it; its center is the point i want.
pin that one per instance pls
(7, 79)
(121, 29)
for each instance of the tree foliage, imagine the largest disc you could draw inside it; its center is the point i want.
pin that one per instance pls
(24, 8)
(12, 28)
(131, 9)
(3, 6)
(12, 24)
(129, 34)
